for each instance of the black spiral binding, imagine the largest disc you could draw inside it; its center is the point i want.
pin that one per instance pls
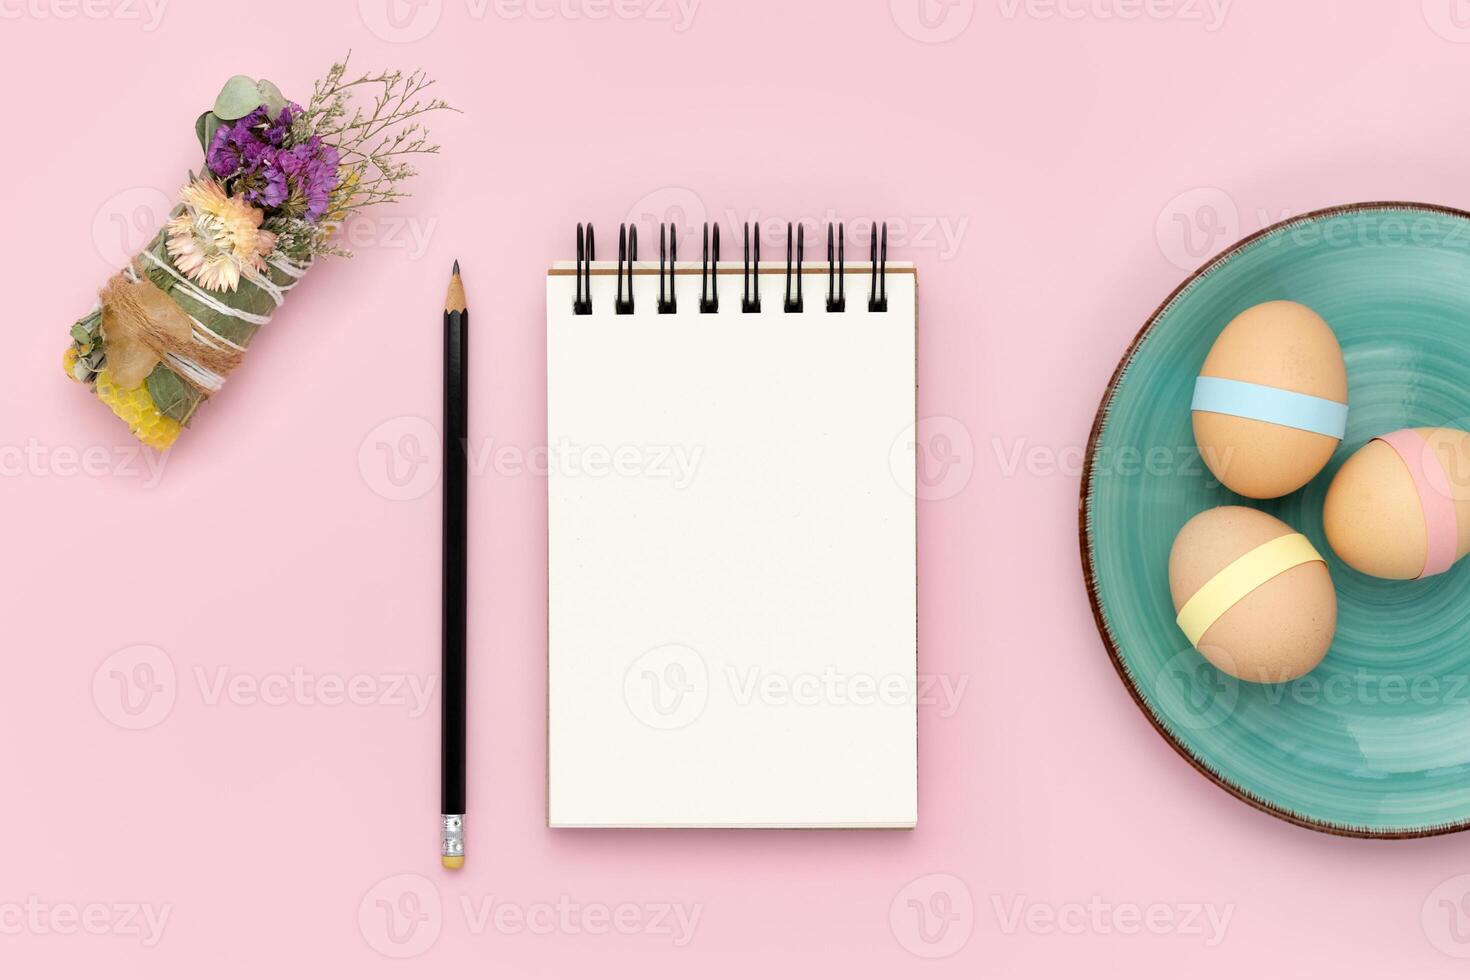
(878, 291)
(750, 285)
(709, 285)
(627, 255)
(671, 304)
(796, 305)
(582, 305)
(836, 299)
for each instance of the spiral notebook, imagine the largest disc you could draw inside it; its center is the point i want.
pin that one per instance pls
(732, 593)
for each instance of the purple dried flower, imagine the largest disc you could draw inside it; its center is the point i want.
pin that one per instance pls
(276, 132)
(311, 171)
(252, 154)
(223, 156)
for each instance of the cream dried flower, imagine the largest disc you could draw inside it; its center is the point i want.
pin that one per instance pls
(217, 237)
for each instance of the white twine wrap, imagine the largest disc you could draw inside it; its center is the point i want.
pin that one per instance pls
(197, 374)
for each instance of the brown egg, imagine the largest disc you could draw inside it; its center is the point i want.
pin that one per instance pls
(1279, 630)
(1280, 345)
(1374, 517)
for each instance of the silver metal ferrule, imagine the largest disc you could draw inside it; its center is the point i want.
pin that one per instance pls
(451, 838)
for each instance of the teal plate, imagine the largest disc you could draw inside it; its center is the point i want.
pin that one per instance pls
(1376, 741)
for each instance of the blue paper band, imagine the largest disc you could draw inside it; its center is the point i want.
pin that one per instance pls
(1309, 413)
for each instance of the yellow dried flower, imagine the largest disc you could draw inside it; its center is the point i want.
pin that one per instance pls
(135, 407)
(343, 195)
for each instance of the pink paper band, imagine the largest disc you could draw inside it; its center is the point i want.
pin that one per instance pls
(1440, 523)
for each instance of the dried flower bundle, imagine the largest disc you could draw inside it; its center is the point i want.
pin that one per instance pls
(278, 180)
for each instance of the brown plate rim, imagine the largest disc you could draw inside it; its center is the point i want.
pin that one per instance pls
(1085, 538)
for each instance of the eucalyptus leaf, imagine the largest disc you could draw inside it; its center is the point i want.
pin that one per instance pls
(171, 395)
(204, 128)
(240, 97)
(271, 97)
(80, 333)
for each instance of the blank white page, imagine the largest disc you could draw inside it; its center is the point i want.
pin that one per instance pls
(731, 557)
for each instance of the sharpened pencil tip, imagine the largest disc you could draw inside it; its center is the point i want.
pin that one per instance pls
(454, 296)
(456, 267)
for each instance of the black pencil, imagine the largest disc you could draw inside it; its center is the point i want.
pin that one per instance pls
(456, 475)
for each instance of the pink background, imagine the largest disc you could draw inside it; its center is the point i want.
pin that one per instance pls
(1081, 157)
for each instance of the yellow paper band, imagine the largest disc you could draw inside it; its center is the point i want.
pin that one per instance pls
(1240, 578)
